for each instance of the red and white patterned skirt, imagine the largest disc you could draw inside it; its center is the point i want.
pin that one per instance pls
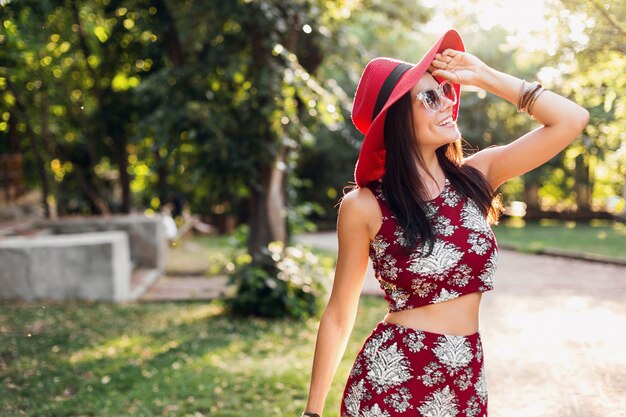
(401, 371)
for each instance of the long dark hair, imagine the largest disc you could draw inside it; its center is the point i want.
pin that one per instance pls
(404, 188)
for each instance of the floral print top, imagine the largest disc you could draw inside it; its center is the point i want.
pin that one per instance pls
(463, 260)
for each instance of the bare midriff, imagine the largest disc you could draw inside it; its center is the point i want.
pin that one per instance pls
(454, 317)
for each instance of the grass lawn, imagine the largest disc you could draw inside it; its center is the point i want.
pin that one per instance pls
(170, 359)
(602, 238)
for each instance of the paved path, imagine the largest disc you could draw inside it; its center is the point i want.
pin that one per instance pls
(184, 288)
(554, 335)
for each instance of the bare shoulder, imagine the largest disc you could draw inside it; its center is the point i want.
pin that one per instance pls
(359, 209)
(482, 161)
(359, 199)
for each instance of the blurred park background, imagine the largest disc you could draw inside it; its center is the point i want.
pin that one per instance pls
(232, 119)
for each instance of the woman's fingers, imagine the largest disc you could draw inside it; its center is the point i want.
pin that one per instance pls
(438, 64)
(444, 58)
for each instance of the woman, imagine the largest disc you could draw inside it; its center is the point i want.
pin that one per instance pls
(422, 212)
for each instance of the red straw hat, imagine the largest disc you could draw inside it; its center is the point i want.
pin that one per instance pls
(382, 83)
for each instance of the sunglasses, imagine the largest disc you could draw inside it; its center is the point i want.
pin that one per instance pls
(433, 99)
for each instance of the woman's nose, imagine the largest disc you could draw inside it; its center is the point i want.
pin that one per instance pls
(445, 102)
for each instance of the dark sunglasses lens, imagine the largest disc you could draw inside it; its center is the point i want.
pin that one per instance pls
(432, 99)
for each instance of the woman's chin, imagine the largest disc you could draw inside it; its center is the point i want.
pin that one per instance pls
(453, 135)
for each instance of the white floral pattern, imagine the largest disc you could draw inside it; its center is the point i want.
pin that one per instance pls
(450, 197)
(400, 401)
(353, 399)
(473, 408)
(422, 287)
(463, 257)
(464, 379)
(441, 403)
(445, 295)
(480, 244)
(432, 375)
(393, 293)
(454, 352)
(404, 371)
(461, 276)
(473, 219)
(430, 210)
(399, 234)
(375, 411)
(414, 342)
(357, 369)
(379, 245)
(443, 226)
(388, 268)
(490, 269)
(388, 366)
(444, 257)
(481, 386)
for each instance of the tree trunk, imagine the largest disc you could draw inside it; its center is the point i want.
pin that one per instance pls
(174, 49)
(120, 154)
(581, 185)
(161, 172)
(531, 198)
(267, 209)
(172, 40)
(41, 168)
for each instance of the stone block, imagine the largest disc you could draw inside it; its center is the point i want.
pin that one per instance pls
(89, 266)
(146, 234)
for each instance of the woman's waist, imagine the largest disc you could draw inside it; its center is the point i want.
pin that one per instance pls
(458, 316)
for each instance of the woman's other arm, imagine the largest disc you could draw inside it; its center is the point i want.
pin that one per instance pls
(337, 321)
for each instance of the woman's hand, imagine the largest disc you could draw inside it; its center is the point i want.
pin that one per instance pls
(458, 67)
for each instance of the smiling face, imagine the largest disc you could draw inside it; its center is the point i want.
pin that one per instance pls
(430, 130)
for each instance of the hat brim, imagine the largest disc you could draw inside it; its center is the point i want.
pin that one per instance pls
(371, 163)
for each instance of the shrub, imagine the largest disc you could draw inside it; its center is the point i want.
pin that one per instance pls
(286, 282)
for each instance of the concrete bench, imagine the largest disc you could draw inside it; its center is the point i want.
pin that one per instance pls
(91, 266)
(146, 234)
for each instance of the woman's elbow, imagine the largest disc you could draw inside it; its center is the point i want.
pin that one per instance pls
(576, 122)
(582, 119)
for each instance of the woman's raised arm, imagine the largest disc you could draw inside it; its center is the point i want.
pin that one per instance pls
(562, 119)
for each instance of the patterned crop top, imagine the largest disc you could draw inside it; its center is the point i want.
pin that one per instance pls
(464, 256)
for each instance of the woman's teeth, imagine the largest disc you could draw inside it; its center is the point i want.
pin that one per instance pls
(446, 122)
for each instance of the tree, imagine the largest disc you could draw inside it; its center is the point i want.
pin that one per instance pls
(592, 46)
(70, 70)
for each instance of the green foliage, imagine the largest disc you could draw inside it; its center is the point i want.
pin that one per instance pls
(286, 282)
(591, 56)
(197, 98)
(298, 217)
